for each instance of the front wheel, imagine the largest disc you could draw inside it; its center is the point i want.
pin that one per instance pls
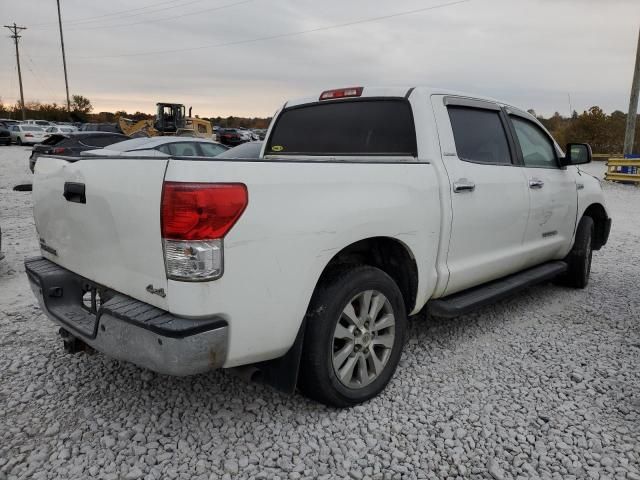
(19, 141)
(356, 326)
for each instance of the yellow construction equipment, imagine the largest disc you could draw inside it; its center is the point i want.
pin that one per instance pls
(170, 119)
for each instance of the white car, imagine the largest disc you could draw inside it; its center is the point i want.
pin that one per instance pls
(366, 205)
(162, 147)
(26, 134)
(59, 129)
(38, 123)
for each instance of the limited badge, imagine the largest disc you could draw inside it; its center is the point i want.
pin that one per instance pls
(277, 148)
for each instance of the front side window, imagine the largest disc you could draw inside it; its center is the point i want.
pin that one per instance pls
(360, 127)
(537, 149)
(479, 135)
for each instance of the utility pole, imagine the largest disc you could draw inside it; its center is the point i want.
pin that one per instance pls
(15, 29)
(64, 59)
(630, 132)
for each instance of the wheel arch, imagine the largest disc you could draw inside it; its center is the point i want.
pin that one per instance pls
(389, 254)
(601, 223)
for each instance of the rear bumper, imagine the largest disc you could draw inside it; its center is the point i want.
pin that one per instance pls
(125, 328)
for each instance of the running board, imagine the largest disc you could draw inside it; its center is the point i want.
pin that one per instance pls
(469, 300)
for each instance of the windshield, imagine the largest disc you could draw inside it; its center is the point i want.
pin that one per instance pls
(354, 127)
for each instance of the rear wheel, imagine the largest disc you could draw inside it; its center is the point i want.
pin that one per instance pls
(355, 332)
(579, 258)
(19, 141)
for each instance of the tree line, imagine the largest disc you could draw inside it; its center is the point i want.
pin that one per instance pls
(81, 111)
(604, 132)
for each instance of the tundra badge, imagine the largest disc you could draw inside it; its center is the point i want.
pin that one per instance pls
(156, 291)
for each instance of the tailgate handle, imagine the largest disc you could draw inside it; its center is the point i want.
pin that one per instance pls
(74, 192)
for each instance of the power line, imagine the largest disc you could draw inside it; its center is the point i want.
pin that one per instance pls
(127, 12)
(280, 35)
(15, 29)
(198, 12)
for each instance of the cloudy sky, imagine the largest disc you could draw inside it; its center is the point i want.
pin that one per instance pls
(245, 57)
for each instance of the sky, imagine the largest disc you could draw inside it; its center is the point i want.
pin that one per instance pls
(247, 57)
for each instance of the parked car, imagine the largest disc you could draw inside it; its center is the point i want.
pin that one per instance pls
(100, 127)
(368, 204)
(246, 150)
(8, 121)
(71, 144)
(162, 147)
(37, 123)
(5, 135)
(232, 136)
(22, 134)
(59, 129)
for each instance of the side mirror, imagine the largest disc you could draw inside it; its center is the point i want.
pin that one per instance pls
(577, 154)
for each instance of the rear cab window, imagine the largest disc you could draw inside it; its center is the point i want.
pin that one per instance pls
(357, 127)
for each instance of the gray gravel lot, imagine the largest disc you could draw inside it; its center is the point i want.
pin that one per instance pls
(545, 385)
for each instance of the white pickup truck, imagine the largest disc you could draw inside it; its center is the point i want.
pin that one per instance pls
(365, 206)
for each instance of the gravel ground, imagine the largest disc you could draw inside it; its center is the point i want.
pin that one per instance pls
(545, 385)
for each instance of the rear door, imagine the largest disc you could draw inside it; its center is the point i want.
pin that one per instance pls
(552, 189)
(489, 193)
(100, 218)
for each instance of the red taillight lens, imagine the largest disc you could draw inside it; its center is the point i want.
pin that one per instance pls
(58, 151)
(201, 211)
(341, 93)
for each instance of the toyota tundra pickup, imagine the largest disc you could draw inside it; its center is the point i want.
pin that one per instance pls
(365, 206)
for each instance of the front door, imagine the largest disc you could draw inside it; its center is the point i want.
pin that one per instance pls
(553, 195)
(489, 192)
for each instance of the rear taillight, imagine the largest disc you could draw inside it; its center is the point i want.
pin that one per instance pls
(341, 93)
(195, 217)
(58, 151)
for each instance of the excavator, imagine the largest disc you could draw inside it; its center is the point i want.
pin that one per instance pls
(170, 119)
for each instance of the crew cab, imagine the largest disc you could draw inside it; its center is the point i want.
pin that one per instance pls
(365, 206)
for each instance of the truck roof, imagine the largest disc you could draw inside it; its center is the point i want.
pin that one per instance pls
(397, 91)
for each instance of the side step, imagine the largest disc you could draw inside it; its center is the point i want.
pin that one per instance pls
(469, 300)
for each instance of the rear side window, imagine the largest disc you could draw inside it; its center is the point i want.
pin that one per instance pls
(479, 135)
(183, 149)
(358, 127)
(210, 149)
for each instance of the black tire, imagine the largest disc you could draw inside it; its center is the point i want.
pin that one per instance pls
(18, 141)
(579, 258)
(318, 379)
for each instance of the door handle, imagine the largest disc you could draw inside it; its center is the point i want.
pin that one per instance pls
(463, 185)
(74, 192)
(536, 183)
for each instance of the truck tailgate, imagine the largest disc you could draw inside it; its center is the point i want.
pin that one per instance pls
(100, 218)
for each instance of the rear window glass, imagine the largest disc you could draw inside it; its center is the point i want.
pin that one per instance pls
(361, 127)
(102, 140)
(32, 129)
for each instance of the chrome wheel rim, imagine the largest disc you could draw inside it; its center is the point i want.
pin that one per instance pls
(363, 339)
